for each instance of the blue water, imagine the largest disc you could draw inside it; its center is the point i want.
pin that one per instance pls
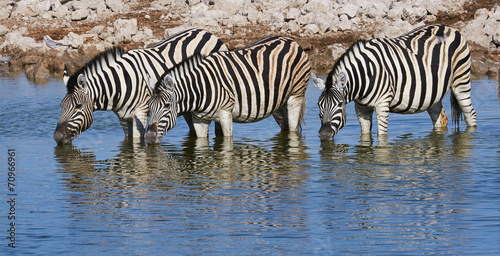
(264, 193)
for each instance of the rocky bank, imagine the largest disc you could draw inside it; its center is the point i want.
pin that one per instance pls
(47, 36)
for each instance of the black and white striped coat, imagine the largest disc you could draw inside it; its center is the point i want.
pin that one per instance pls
(246, 85)
(407, 74)
(116, 81)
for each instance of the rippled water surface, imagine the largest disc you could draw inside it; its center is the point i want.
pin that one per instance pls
(419, 192)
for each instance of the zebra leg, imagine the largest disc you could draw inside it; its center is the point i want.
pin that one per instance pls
(295, 106)
(189, 120)
(438, 116)
(139, 125)
(200, 127)
(382, 111)
(126, 126)
(225, 122)
(364, 115)
(461, 97)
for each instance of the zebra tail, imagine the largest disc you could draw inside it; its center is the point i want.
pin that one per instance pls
(456, 111)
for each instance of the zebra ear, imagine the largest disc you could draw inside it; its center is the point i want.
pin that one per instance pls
(168, 82)
(81, 82)
(318, 82)
(342, 80)
(65, 77)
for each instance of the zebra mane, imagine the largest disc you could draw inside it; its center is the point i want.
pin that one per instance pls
(329, 79)
(105, 58)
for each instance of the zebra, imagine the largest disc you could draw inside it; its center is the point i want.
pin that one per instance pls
(114, 80)
(246, 85)
(407, 74)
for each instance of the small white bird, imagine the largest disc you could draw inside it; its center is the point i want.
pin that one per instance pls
(51, 43)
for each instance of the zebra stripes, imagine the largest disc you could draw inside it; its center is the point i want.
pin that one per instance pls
(246, 85)
(115, 81)
(408, 74)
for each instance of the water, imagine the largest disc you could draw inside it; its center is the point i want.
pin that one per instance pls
(266, 193)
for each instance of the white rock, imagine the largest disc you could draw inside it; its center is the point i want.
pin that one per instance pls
(124, 30)
(311, 29)
(350, 10)
(3, 30)
(60, 11)
(474, 32)
(375, 9)
(99, 29)
(73, 40)
(294, 27)
(79, 15)
(206, 23)
(292, 14)
(116, 5)
(337, 50)
(16, 40)
(344, 23)
(318, 6)
(414, 14)
(238, 20)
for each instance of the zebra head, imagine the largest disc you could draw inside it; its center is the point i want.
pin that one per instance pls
(332, 113)
(77, 110)
(162, 109)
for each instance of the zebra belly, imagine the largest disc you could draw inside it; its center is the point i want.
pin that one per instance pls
(413, 109)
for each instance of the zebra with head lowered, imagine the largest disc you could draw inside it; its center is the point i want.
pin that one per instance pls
(407, 74)
(246, 85)
(116, 81)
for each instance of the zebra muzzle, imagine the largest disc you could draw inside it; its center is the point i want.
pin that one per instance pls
(326, 132)
(151, 135)
(62, 134)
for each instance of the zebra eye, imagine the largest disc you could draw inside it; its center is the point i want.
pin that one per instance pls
(167, 105)
(78, 106)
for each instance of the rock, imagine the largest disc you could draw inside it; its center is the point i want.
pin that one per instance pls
(73, 40)
(318, 6)
(99, 29)
(38, 71)
(474, 33)
(3, 30)
(414, 14)
(311, 29)
(15, 40)
(350, 10)
(60, 11)
(292, 14)
(79, 15)
(124, 30)
(344, 24)
(478, 67)
(375, 10)
(337, 50)
(206, 23)
(238, 21)
(116, 6)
